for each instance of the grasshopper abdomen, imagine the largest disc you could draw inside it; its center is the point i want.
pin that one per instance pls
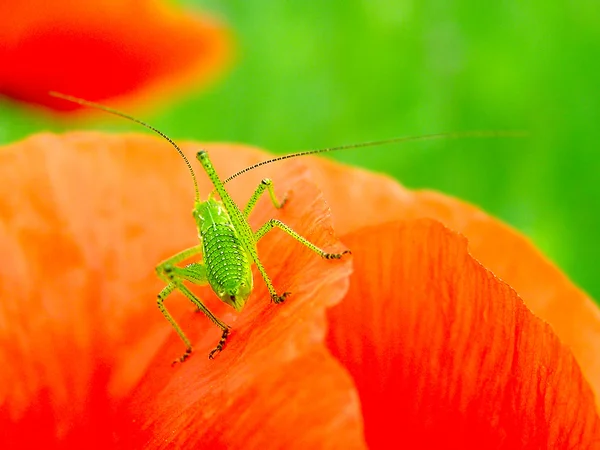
(228, 265)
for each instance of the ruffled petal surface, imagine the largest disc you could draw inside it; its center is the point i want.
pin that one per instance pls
(547, 292)
(118, 49)
(446, 355)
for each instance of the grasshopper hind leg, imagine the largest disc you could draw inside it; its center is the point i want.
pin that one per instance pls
(175, 276)
(220, 345)
(167, 290)
(280, 298)
(224, 327)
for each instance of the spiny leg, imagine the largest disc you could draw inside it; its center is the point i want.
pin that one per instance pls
(168, 289)
(224, 327)
(194, 273)
(214, 319)
(275, 298)
(177, 258)
(274, 223)
(220, 345)
(265, 184)
(174, 276)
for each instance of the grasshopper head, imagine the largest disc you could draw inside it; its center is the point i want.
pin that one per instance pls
(237, 295)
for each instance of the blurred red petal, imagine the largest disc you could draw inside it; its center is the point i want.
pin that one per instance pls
(101, 49)
(509, 255)
(85, 217)
(445, 355)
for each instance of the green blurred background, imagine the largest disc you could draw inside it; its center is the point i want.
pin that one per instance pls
(317, 74)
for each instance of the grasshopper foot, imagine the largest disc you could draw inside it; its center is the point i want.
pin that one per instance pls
(220, 345)
(336, 255)
(186, 355)
(279, 298)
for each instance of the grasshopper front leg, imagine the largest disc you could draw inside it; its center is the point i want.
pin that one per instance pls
(265, 185)
(174, 276)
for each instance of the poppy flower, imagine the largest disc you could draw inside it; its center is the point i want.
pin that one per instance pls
(119, 49)
(410, 342)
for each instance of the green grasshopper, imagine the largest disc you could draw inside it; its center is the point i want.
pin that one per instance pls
(228, 245)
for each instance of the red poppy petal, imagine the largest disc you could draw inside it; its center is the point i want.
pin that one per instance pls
(103, 49)
(85, 217)
(545, 289)
(274, 378)
(445, 355)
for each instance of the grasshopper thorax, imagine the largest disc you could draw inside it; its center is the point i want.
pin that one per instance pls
(228, 265)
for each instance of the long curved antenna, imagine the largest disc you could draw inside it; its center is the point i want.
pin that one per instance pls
(83, 102)
(427, 137)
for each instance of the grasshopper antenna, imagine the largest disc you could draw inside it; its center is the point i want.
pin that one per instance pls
(426, 137)
(83, 102)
